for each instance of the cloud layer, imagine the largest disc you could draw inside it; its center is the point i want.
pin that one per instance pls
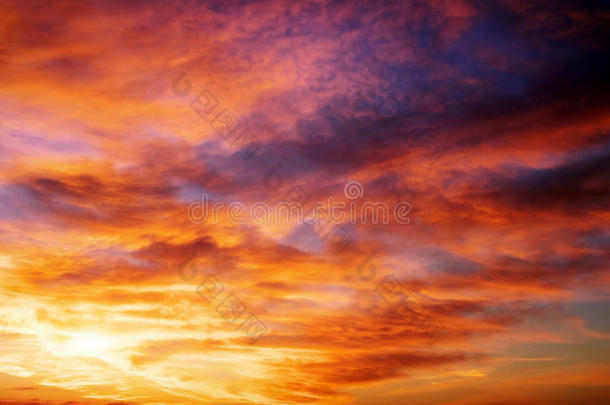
(490, 118)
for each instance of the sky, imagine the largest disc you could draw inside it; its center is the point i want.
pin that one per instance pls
(482, 126)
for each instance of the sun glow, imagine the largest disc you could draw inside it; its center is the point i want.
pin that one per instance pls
(88, 344)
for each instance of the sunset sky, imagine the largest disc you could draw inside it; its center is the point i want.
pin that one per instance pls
(489, 120)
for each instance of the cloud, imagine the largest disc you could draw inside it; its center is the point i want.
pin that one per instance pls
(490, 119)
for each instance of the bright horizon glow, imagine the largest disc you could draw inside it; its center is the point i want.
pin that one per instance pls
(91, 344)
(448, 160)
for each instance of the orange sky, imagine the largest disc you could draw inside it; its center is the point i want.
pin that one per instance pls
(490, 119)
